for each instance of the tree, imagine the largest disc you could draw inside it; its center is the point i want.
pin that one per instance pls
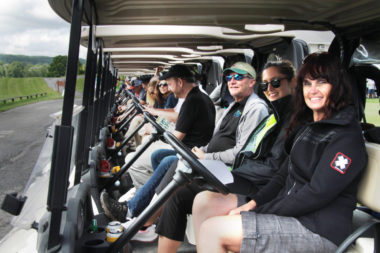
(16, 69)
(38, 70)
(28, 70)
(58, 66)
(81, 68)
(2, 69)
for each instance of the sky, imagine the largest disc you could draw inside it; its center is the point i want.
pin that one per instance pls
(31, 27)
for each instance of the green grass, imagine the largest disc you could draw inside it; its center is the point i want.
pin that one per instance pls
(13, 87)
(80, 84)
(372, 108)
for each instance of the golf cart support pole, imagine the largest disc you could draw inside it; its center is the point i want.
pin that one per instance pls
(63, 136)
(105, 79)
(86, 116)
(96, 125)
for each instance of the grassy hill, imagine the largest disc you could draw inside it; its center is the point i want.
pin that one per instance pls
(13, 87)
(9, 58)
(80, 84)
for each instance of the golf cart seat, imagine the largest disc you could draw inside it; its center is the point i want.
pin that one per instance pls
(368, 196)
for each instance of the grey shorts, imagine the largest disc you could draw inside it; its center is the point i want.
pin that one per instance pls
(272, 233)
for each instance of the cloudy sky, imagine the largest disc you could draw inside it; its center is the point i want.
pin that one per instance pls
(30, 27)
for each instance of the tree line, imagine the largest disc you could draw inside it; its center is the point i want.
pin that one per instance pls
(56, 68)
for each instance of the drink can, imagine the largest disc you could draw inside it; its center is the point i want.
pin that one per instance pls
(114, 227)
(112, 237)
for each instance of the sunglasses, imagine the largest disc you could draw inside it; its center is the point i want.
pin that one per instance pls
(237, 77)
(275, 83)
(162, 84)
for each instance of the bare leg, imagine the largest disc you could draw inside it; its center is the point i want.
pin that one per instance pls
(155, 215)
(153, 218)
(221, 233)
(166, 245)
(209, 204)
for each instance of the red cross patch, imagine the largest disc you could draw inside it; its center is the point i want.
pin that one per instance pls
(340, 163)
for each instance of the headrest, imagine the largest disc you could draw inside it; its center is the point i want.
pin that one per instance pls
(369, 188)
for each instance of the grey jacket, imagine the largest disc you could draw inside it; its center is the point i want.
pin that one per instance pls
(254, 111)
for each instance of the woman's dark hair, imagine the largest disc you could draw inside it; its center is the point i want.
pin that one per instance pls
(328, 67)
(285, 67)
(161, 98)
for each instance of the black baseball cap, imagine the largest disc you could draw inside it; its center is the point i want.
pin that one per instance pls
(179, 71)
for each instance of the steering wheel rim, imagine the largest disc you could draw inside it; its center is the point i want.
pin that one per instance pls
(149, 117)
(194, 163)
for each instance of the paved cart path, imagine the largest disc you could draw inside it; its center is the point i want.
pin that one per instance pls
(22, 134)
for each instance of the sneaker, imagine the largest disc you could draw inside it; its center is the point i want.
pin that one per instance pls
(147, 235)
(112, 208)
(128, 196)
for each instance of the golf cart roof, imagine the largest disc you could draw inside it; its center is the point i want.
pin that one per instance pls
(145, 47)
(238, 15)
(141, 35)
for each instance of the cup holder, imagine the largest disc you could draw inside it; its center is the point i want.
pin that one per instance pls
(100, 230)
(94, 242)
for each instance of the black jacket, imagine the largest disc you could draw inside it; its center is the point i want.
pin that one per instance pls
(259, 167)
(318, 185)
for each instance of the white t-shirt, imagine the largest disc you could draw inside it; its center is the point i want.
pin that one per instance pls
(177, 108)
(371, 84)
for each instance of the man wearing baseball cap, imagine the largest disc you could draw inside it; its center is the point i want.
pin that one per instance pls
(136, 87)
(196, 108)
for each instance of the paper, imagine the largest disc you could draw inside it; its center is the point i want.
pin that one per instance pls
(219, 170)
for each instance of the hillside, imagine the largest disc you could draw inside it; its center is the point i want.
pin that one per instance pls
(9, 58)
(12, 87)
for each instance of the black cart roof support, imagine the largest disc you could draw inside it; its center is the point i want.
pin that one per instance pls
(86, 116)
(63, 136)
(96, 125)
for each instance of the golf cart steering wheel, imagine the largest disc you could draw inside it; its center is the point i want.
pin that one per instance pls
(192, 160)
(149, 117)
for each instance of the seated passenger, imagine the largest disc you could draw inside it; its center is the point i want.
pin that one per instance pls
(135, 86)
(278, 79)
(308, 205)
(195, 125)
(136, 121)
(150, 91)
(145, 80)
(164, 98)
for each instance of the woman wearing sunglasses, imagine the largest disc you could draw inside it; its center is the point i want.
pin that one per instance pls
(164, 98)
(308, 205)
(256, 167)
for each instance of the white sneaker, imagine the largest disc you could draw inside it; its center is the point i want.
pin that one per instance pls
(128, 196)
(147, 235)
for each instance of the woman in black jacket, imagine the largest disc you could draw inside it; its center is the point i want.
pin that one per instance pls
(308, 205)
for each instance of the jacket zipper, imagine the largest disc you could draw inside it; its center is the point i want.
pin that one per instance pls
(290, 163)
